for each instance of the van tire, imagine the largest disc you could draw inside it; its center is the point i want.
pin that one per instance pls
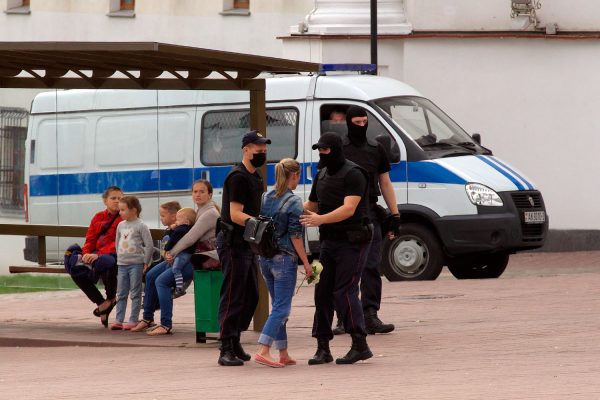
(414, 255)
(490, 267)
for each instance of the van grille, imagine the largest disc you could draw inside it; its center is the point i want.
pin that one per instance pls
(524, 200)
(528, 201)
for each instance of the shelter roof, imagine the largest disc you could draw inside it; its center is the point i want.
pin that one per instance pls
(134, 65)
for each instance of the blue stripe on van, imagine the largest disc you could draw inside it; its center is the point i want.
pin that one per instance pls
(512, 171)
(182, 178)
(502, 171)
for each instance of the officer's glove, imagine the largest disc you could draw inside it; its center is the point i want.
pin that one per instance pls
(393, 224)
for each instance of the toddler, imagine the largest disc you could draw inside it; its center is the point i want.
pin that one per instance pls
(184, 220)
(134, 254)
(168, 214)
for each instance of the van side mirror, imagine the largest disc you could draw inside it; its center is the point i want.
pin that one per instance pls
(477, 138)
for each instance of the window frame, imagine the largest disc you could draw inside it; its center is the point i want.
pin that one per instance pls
(115, 9)
(229, 8)
(18, 7)
(208, 112)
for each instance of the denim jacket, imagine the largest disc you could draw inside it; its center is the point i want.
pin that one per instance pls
(286, 220)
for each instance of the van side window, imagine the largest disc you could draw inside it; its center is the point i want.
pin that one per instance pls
(222, 133)
(333, 119)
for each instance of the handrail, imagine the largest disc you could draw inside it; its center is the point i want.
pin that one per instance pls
(42, 231)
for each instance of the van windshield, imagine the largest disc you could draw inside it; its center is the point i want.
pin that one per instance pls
(429, 126)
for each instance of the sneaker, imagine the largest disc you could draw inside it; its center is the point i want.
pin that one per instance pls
(178, 292)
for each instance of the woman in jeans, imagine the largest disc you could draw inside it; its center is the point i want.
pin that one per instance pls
(160, 280)
(280, 271)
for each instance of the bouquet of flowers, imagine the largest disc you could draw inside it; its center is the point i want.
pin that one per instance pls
(316, 275)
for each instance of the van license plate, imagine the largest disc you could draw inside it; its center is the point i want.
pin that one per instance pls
(535, 217)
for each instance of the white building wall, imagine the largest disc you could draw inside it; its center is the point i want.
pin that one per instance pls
(534, 103)
(494, 15)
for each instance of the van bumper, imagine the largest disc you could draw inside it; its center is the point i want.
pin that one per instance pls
(496, 229)
(491, 233)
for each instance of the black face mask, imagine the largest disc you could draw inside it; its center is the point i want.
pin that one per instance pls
(258, 159)
(357, 134)
(333, 161)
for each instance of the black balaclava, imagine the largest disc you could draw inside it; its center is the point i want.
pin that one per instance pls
(356, 134)
(335, 159)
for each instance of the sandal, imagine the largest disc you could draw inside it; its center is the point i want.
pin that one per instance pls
(97, 312)
(265, 361)
(143, 325)
(160, 330)
(287, 361)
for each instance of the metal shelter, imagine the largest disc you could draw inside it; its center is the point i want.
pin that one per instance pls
(144, 65)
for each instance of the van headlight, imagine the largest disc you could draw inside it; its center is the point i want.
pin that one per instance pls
(481, 195)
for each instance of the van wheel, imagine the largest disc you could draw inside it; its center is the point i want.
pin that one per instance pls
(414, 255)
(492, 266)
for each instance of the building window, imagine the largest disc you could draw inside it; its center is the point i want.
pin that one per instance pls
(17, 7)
(122, 8)
(236, 7)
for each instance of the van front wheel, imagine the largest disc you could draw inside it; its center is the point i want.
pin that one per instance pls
(489, 267)
(414, 255)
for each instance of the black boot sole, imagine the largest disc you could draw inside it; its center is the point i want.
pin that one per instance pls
(226, 363)
(365, 355)
(373, 331)
(325, 360)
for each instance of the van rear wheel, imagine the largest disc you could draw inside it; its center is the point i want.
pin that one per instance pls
(414, 255)
(492, 266)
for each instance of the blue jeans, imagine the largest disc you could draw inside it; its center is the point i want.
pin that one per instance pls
(280, 276)
(159, 282)
(129, 282)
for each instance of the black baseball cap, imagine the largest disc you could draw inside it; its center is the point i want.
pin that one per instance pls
(254, 137)
(328, 140)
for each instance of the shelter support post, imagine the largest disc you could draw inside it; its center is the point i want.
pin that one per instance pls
(258, 121)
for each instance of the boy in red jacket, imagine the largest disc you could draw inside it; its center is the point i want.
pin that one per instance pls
(99, 253)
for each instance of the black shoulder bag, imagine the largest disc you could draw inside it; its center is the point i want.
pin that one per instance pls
(260, 233)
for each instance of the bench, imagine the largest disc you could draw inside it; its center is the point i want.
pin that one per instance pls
(44, 269)
(41, 231)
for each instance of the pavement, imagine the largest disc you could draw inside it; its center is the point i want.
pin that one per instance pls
(532, 334)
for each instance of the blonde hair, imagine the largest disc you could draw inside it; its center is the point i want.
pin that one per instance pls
(283, 170)
(188, 213)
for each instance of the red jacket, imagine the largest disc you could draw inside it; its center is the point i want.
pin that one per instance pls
(105, 243)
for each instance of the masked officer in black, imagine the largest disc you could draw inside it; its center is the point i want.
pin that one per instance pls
(371, 156)
(239, 293)
(339, 196)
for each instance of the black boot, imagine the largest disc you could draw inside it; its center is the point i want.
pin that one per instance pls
(323, 354)
(374, 325)
(238, 350)
(359, 351)
(339, 328)
(227, 357)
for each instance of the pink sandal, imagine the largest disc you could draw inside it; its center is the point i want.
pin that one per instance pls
(287, 361)
(265, 361)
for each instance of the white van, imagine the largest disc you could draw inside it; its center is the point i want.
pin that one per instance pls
(461, 206)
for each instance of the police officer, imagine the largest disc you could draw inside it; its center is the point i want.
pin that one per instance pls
(239, 293)
(338, 206)
(371, 156)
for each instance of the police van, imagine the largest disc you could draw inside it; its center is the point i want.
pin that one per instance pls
(460, 205)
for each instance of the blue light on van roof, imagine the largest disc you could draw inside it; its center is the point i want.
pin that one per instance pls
(363, 68)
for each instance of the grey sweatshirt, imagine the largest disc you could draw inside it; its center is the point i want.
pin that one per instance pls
(134, 243)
